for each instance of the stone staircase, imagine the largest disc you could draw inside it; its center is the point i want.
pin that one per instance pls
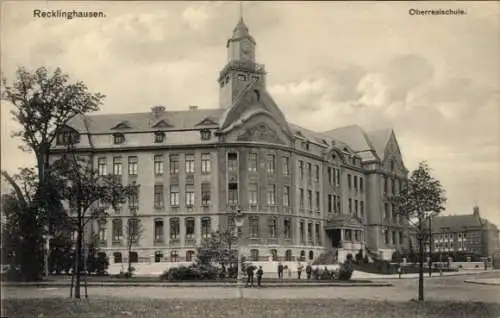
(326, 258)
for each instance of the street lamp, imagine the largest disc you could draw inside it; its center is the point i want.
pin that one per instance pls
(239, 219)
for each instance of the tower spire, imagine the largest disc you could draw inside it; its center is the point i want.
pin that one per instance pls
(241, 10)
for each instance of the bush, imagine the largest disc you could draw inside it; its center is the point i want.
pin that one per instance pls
(346, 269)
(194, 272)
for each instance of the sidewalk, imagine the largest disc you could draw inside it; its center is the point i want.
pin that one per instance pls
(484, 281)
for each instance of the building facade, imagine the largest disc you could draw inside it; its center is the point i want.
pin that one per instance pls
(303, 193)
(465, 233)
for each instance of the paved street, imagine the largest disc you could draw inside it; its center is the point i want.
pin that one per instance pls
(438, 288)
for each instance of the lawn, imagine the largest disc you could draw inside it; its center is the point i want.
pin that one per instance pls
(242, 308)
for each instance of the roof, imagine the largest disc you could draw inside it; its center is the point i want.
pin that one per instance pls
(379, 140)
(177, 119)
(360, 141)
(455, 223)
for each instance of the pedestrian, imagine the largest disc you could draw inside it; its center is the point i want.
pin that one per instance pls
(299, 269)
(399, 271)
(280, 271)
(308, 271)
(260, 272)
(250, 270)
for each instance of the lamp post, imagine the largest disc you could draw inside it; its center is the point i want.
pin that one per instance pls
(239, 219)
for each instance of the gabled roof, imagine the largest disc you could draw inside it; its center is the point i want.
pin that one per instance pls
(379, 140)
(179, 119)
(162, 123)
(455, 223)
(208, 121)
(356, 138)
(122, 125)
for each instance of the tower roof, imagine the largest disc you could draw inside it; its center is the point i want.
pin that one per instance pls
(241, 29)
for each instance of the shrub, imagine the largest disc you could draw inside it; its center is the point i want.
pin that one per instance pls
(346, 269)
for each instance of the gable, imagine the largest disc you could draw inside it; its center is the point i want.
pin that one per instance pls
(121, 125)
(260, 132)
(162, 124)
(208, 121)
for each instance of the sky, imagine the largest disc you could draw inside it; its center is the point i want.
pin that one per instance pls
(434, 79)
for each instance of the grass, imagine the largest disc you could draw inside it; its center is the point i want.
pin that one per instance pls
(243, 308)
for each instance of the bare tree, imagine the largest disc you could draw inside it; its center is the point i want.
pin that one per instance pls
(133, 232)
(419, 200)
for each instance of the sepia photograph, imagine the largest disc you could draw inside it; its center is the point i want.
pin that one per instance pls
(250, 159)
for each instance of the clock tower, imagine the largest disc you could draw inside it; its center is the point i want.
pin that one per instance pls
(241, 69)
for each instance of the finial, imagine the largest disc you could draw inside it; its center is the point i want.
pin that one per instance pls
(241, 10)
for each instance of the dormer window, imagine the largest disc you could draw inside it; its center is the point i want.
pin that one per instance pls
(206, 134)
(159, 137)
(392, 165)
(306, 145)
(67, 138)
(118, 139)
(242, 77)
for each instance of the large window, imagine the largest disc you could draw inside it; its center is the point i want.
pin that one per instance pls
(102, 166)
(232, 161)
(271, 194)
(189, 228)
(330, 203)
(301, 169)
(302, 231)
(206, 161)
(252, 193)
(233, 193)
(309, 232)
(174, 164)
(287, 229)
(355, 183)
(318, 233)
(133, 198)
(190, 163)
(205, 194)
(254, 255)
(189, 196)
(349, 181)
(174, 228)
(309, 170)
(117, 228)
(309, 199)
(174, 195)
(286, 196)
(117, 166)
(133, 230)
(254, 226)
(206, 227)
(361, 184)
(270, 164)
(158, 230)
(190, 256)
(285, 165)
(132, 165)
(158, 196)
(158, 165)
(316, 173)
(318, 201)
(273, 227)
(301, 198)
(252, 162)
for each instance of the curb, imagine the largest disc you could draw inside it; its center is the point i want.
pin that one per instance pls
(481, 283)
(187, 285)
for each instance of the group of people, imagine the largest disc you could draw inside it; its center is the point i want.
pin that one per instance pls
(308, 269)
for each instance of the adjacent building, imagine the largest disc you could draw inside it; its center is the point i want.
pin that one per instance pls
(469, 233)
(303, 193)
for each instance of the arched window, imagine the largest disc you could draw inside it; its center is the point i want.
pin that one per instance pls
(302, 255)
(311, 255)
(254, 255)
(274, 254)
(288, 255)
(117, 257)
(134, 257)
(189, 256)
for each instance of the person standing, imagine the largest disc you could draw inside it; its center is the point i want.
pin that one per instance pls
(308, 271)
(250, 271)
(260, 272)
(299, 270)
(280, 271)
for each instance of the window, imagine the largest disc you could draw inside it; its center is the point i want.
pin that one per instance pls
(117, 166)
(386, 237)
(309, 199)
(133, 198)
(174, 228)
(132, 166)
(233, 193)
(301, 169)
(254, 226)
(401, 238)
(102, 231)
(117, 227)
(356, 235)
(174, 164)
(301, 198)
(309, 232)
(271, 194)
(174, 256)
(206, 161)
(102, 166)
(158, 196)
(232, 161)
(288, 255)
(252, 162)
(285, 162)
(158, 165)
(254, 255)
(133, 227)
(67, 138)
(349, 181)
(386, 211)
(158, 256)
(174, 195)
(286, 196)
(206, 227)
(318, 201)
(117, 257)
(393, 186)
(356, 207)
(190, 163)
(330, 203)
(133, 257)
(394, 237)
(349, 202)
(189, 228)
(318, 233)
(356, 182)
(337, 177)
(159, 236)
(362, 209)
(205, 194)
(159, 137)
(338, 204)
(242, 77)
(118, 139)
(361, 185)
(316, 173)
(287, 229)
(385, 184)
(189, 196)
(302, 256)
(205, 134)
(311, 255)
(309, 170)
(301, 232)
(274, 254)
(252, 193)
(270, 163)
(273, 227)
(330, 175)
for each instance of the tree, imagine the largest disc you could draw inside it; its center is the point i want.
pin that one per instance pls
(89, 196)
(219, 247)
(43, 104)
(420, 199)
(133, 232)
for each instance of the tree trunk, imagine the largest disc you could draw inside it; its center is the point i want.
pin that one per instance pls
(421, 270)
(78, 258)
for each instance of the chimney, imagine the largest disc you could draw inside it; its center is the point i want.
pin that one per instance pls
(193, 107)
(476, 211)
(157, 111)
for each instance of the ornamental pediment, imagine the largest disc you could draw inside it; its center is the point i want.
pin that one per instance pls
(260, 132)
